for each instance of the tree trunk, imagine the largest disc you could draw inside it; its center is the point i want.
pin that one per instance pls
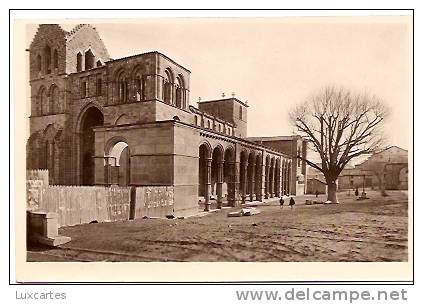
(332, 191)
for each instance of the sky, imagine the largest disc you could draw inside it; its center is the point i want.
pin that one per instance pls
(273, 64)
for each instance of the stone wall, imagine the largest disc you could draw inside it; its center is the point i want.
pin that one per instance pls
(80, 39)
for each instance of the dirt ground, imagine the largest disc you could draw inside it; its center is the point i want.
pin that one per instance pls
(369, 230)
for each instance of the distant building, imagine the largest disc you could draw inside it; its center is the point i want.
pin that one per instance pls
(316, 185)
(391, 165)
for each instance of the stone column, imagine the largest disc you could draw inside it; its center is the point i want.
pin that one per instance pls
(266, 183)
(173, 94)
(208, 185)
(107, 169)
(232, 184)
(271, 180)
(244, 185)
(278, 183)
(252, 184)
(284, 179)
(259, 185)
(219, 184)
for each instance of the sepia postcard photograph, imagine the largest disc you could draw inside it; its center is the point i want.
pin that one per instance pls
(214, 149)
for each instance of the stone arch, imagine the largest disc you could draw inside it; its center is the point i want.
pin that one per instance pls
(117, 161)
(168, 82)
(180, 91)
(138, 82)
(42, 97)
(123, 120)
(207, 144)
(121, 87)
(83, 111)
(33, 149)
(112, 142)
(54, 97)
(204, 167)
(90, 117)
(51, 140)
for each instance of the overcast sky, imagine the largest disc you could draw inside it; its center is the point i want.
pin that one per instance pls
(275, 63)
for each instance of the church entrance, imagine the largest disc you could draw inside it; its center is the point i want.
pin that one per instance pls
(91, 118)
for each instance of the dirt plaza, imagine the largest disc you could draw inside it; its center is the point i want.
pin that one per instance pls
(375, 229)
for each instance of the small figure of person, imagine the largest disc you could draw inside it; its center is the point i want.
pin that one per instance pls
(291, 202)
(281, 202)
(356, 191)
(317, 193)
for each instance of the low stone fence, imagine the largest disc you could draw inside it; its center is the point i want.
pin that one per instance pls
(155, 201)
(84, 204)
(39, 174)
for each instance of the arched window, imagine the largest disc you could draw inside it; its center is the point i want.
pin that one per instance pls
(38, 63)
(56, 59)
(99, 64)
(79, 62)
(44, 106)
(54, 100)
(122, 87)
(47, 58)
(208, 124)
(180, 92)
(89, 60)
(167, 87)
(138, 88)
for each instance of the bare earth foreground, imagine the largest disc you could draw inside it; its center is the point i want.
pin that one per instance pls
(370, 230)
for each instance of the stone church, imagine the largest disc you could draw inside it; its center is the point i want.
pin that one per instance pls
(128, 121)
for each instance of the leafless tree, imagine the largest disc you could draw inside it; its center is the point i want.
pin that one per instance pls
(340, 125)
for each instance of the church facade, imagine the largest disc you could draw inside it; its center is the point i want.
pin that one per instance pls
(101, 121)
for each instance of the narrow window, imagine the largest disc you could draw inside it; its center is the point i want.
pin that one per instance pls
(89, 60)
(123, 90)
(79, 62)
(56, 59)
(38, 63)
(47, 58)
(99, 64)
(240, 112)
(138, 88)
